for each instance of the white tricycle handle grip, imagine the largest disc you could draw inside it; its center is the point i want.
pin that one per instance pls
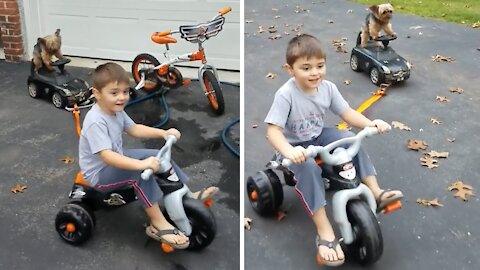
(311, 152)
(163, 153)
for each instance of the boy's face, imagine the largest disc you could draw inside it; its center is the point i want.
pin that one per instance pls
(308, 73)
(113, 97)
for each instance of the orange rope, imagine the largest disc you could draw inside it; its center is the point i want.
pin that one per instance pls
(376, 96)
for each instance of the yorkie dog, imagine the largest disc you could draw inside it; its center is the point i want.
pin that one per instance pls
(45, 48)
(378, 19)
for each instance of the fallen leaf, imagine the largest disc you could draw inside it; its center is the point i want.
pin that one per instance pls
(67, 159)
(450, 139)
(248, 21)
(463, 190)
(441, 58)
(275, 37)
(350, 11)
(247, 222)
(476, 25)
(281, 215)
(433, 202)
(435, 121)
(417, 145)
(18, 188)
(400, 126)
(457, 90)
(428, 162)
(260, 29)
(275, 9)
(347, 82)
(271, 75)
(254, 126)
(330, 21)
(272, 30)
(442, 99)
(277, 17)
(286, 33)
(435, 154)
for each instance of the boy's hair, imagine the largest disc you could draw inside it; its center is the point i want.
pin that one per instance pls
(107, 73)
(304, 45)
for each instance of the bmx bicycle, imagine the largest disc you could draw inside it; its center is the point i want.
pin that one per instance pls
(150, 75)
(353, 204)
(75, 222)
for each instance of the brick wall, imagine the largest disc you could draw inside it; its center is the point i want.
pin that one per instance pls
(11, 30)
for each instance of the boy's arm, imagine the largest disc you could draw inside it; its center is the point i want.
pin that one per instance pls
(117, 160)
(358, 120)
(146, 132)
(279, 142)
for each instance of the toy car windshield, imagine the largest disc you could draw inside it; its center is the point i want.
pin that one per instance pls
(200, 32)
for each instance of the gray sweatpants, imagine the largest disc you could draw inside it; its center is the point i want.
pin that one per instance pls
(308, 176)
(148, 191)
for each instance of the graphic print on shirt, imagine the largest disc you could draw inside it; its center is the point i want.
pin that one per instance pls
(306, 125)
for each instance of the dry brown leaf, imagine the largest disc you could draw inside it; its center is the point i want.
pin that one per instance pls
(442, 99)
(463, 191)
(435, 121)
(400, 126)
(281, 215)
(254, 126)
(457, 90)
(428, 162)
(476, 25)
(260, 29)
(450, 139)
(330, 21)
(435, 154)
(272, 30)
(247, 222)
(277, 17)
(347, 82)
(248, 21)
(275, 9)
(417, 144)
(271, 75)
(67, 159)
(275, 37)
(18, 188)
(350, 11)
(433, 202)
(441, 58)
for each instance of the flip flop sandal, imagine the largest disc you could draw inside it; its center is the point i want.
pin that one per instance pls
(332, 245)
(160, 233)
(383, 201)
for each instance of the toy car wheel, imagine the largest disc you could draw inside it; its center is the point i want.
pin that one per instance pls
(368, 244)
(58, 100)
(75, 223)
(265, 192)
(173, 79)
(204, 226)
(142, 63)
(213, 91)
(33, 90)
(376, 76)
(354, 63)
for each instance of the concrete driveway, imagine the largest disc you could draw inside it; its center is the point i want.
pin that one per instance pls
(35, 135)
(415, 237)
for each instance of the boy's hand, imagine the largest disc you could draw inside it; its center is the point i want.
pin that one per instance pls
(151, 163)
(381, 125)
(297, 155)
(172, 131)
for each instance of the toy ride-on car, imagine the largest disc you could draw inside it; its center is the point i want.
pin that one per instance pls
(383, 64)
(60, 86)
(354, 206)
(75, 221)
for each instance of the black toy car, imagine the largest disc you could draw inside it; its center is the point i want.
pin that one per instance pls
(60, 86)
(382, 63)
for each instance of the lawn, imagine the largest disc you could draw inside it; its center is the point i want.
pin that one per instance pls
(457, 11)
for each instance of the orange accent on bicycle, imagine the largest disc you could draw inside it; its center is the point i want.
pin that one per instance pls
(150, 75)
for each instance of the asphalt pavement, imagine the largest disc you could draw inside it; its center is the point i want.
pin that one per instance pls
(415, 237)
(34, 136)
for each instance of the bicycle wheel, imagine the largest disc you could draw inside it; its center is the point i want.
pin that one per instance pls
(173, 79)
(213, 92)
(142, 63)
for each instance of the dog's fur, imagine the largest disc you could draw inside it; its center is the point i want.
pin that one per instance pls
(45, 48)
(378, 19)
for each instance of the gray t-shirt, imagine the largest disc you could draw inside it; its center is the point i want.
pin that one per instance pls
(300, 115)
(100, 131)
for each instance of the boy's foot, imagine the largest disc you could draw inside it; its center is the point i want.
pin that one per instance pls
(171, 236)
(205, 193)
(330, 253)
(386, 197)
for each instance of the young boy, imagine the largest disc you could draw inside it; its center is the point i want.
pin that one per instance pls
(105, 164)
(295, 120)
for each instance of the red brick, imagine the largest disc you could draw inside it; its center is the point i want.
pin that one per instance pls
(14, 26)
(12, 39)
(3, 18)
(13, 45)
(13, 5)
(13, 58)
(13, 51)
(13, 19)
(14, 32)
(9, 11)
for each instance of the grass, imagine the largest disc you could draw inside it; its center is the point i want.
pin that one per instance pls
(456, 11)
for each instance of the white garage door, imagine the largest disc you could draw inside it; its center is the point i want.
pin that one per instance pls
(121, 29)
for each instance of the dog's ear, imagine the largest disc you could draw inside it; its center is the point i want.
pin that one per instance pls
(41, 41)
(57, 33)
(374, 9)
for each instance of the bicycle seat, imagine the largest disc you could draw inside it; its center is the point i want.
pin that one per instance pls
(157, 37)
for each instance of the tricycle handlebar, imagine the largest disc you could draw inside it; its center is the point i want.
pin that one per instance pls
(163, 155)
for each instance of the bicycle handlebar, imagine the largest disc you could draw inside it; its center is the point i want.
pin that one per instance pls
(163, 155)
(225, 10)
(324, 151)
